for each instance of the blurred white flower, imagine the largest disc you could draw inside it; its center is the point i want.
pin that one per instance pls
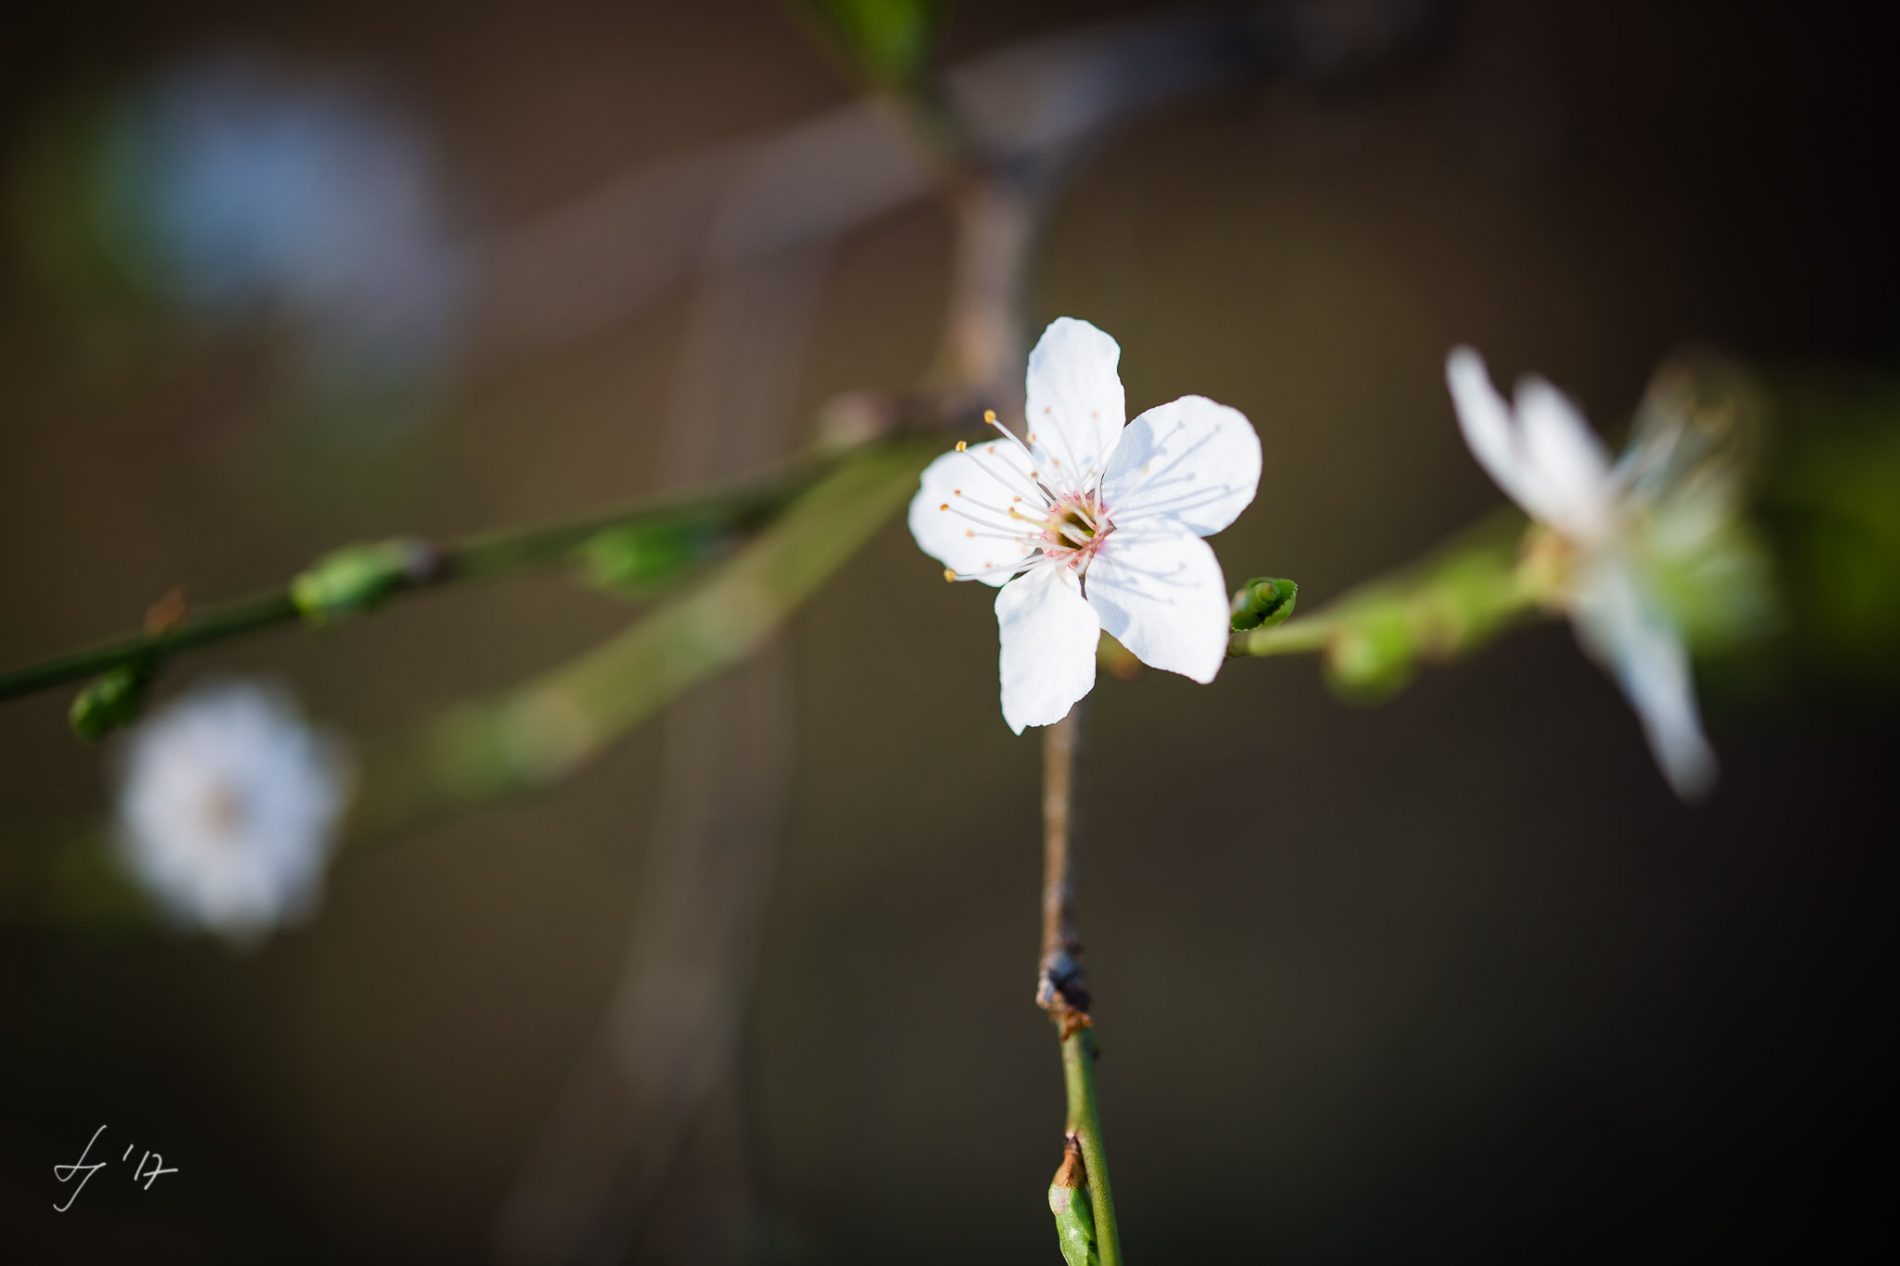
(1087, 524)
(1659, 508)
(311, 202)
(228, 802)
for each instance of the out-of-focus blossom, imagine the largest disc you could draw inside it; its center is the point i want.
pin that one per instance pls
(1089, 522)
(314, 194)
(249, 196)
(228, 805)
(1649, 543)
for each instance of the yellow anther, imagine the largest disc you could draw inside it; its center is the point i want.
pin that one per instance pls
(989, 416)
(948, 574)
(944, 506)
(962, 444)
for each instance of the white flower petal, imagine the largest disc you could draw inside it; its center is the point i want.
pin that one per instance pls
(1049, 634)
(1160, 593)
(1485, 419)
(1075, 404)
(1632, 636)
(1544, 456)
(227, 808)
(1192, 461)
(1572, 469)
(976, 533)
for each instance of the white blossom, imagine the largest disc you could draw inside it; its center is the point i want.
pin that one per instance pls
(1088, 523)
(1617, 520)
(227, 807)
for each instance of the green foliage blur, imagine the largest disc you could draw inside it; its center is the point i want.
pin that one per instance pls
(888, 40)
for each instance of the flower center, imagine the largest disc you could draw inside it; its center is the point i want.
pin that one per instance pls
(1074, 529)
(1075, 519)
(224, 812)
(1031, 506)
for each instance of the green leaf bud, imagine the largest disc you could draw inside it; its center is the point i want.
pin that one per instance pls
(110, 701)
(1263, 602)
(638, 559)
(360, 576)
(1069, 1202)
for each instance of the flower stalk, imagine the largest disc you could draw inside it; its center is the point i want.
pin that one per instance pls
(1373, 639)
(1062, 991)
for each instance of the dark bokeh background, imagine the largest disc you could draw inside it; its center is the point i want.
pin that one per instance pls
(1453, 977)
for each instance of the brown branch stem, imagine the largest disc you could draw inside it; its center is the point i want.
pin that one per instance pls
(1060, 988)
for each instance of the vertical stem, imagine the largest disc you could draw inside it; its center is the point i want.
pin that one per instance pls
(1060, 988)
(1061, 972)
(1085, 1126)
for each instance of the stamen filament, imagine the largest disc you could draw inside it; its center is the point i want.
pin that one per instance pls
(989, 418)
(1014, 490)
(961, 513)
(1005, 569)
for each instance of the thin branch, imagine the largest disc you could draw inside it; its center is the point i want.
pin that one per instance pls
(1085, 1128)
(1301, 635)
(215, 623)
(728, 512)
(555, 723)
(1060, 987)
(1471, 588)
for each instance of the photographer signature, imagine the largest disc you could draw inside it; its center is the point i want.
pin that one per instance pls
(150, 1168)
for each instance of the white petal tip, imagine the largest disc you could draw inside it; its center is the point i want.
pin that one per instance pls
(1018, 724)
(1465, 371)
(1691, 776)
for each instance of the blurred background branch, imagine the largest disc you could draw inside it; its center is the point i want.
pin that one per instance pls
(541, 731)
(640, 1114)
(1032, 108)
(645, 542)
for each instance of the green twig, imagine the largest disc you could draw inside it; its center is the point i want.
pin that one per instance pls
(1301, 635)
(1061, 989)
(721, 512)
(549, 726)
(1479, 584)
(1085, 1127)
